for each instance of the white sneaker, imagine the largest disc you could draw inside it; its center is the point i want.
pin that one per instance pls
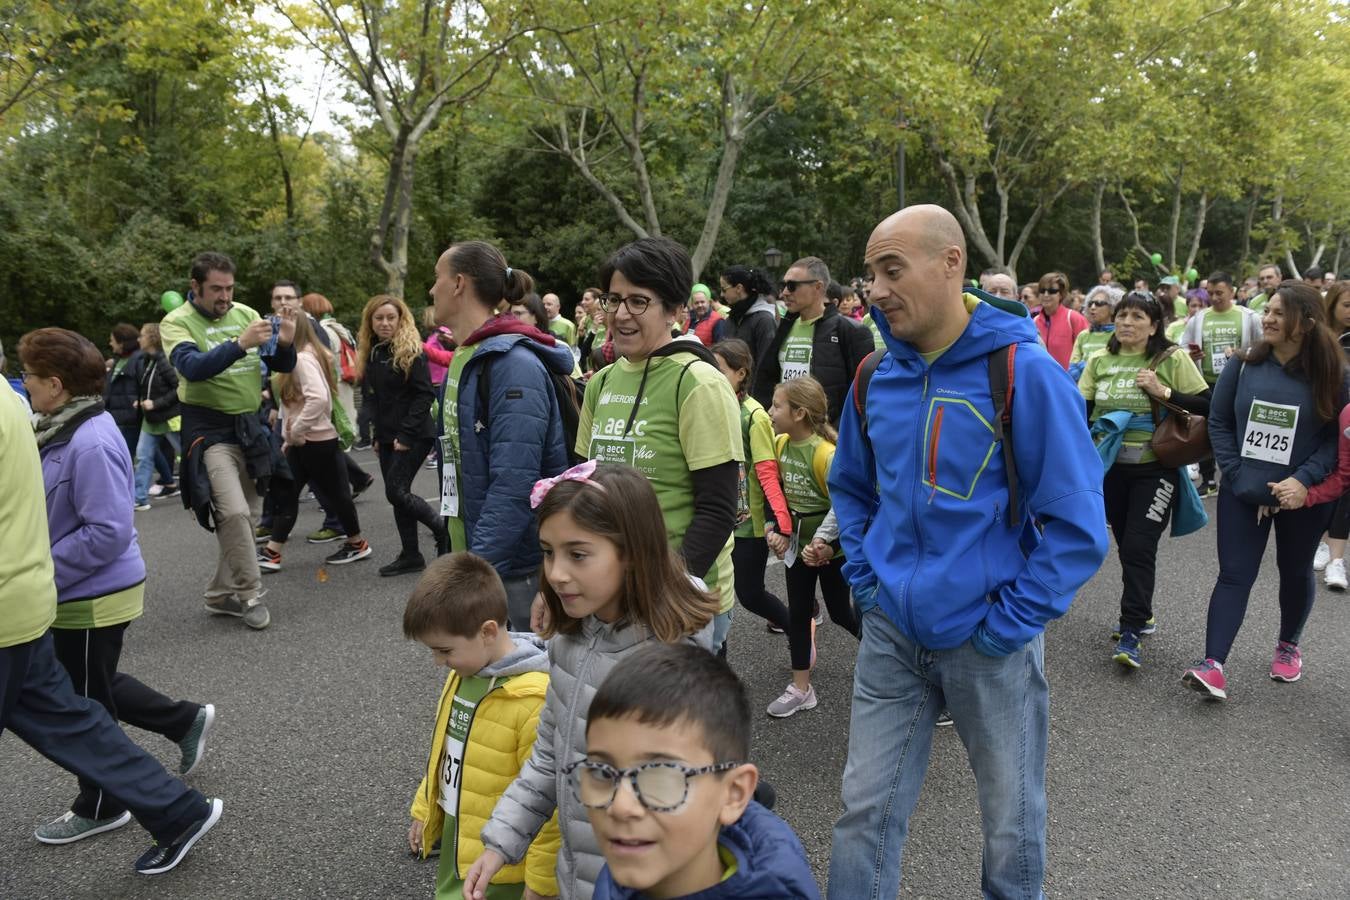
(1322, 558)
(1335, 575)
(1193, 472)
(791, 701)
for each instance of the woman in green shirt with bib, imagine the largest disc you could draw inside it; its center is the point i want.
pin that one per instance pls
(664, 407)
(1140, 367)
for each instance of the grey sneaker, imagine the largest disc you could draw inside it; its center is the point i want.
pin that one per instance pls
(256, 615)
(193, 743)
(229, 605)
(791, 701)
(71, 828)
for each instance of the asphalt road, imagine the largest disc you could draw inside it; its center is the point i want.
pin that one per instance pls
(325, 719)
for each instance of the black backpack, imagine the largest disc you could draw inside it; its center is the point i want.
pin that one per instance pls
(1002, 377)
(566, 389)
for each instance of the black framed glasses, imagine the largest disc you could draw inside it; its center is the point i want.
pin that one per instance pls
(791, 286)
(637, 303)
(1049, 290)
(659, 786)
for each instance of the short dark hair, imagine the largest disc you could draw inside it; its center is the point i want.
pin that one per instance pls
(128, 336)
(670, 684)
(204, 264)
(285, 283)
(1220, 278)
(1157, 315)
(656, 263)
(535, 304)
(67, 355)
(456, 594)
(1313, 272)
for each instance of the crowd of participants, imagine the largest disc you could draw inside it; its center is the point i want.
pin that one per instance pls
(611, 490)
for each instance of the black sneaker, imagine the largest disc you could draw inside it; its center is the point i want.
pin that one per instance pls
(159, 859)
(361, 445)
(944, 719)
(1208, 489)
(442, 542)
(349, 553)
(169, 491)
(358, 491)
(269, 560)
(404, 565)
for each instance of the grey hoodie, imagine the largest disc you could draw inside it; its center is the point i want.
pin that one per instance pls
(579, 663)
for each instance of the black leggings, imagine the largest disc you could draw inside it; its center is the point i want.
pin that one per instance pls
(801, 589)
(90, 657)
(749, 556)
(1139, 501)
(321, 464)
(1242, 543)
(399, 468)
(1339, 529)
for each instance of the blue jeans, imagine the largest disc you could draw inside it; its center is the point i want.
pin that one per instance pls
(146, 452)
(1001, 707)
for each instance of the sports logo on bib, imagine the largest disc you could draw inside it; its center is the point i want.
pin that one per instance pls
(1270, 432)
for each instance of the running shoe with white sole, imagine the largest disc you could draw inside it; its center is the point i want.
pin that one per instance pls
(158, 860)
(70, 828)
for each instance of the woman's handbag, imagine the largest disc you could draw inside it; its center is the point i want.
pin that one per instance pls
(1179, 438)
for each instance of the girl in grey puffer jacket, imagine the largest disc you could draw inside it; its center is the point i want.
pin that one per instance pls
(612, 583)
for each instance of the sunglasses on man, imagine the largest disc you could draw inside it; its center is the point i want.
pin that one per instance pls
(791, 286)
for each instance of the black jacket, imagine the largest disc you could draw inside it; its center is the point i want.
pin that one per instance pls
(122, 391)
(838, 346)
(754, 321)
(402, 403)
(159, 383)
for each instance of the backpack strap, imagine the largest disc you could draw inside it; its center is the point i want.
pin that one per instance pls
(866, 369)
(1002, 379)
(480, 410)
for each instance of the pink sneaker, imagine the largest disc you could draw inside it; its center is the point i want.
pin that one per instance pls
(1288, 662)
(1207, 678)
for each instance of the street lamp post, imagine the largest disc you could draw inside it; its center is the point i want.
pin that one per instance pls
(773, 258)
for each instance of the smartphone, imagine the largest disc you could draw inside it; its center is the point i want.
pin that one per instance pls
(270, 347)
(1195, 348)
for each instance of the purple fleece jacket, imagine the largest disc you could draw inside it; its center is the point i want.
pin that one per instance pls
(90, 504)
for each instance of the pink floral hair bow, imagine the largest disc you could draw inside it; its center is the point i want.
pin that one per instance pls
(580, 472)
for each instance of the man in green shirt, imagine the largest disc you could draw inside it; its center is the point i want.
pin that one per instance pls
(1267, 279)
(218, 347)
(1212, 336)
(560, 327)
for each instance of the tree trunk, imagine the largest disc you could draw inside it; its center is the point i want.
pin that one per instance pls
(717, 206)
(1336, 262)
(1176, 220)
(391, 230)
(1248, 219)
(966, 208)
(1098, 252)
(1201, 209)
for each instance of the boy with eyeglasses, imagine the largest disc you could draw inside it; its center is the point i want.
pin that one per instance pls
(668, 789)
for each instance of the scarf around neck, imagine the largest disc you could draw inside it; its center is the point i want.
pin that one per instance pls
(47, 426)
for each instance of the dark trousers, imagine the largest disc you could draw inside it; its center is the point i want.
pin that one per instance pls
(1242, 543)
(801, 590)
(38, 704)
(1139, 500)
(399, 468)
(749, 555)
(320, 463)
(1339, 529)
(1207, 471)
(365, 417)
(165, 457)
(90, 658)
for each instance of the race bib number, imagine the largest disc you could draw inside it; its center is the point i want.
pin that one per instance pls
(1270, 432)
(1218, 357)
(449, 483)
(452, 772)
(793, 370)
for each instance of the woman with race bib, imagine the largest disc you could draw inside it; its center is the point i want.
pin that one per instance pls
(1272, 422)
(665, 408)
(1138, 368)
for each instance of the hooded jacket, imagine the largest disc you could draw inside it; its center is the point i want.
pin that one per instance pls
(578, 664)
(501, 736)
(838, 346)
(770, 864)
(507, 447)
(1312, 456)
(90, 491)
(122, 390)
(159, 384)
(402, 400)
(931, 480)
(755, 321)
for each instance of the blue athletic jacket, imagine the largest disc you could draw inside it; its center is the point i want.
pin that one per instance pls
(770, 864)
(922, 509)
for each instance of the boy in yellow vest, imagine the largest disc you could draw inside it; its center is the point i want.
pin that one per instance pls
(485, 725)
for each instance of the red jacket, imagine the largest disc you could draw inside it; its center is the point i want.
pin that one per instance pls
(1059, 330)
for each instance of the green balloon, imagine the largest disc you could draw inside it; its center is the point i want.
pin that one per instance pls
(1192, 275)
(974, 282)
(170, 300)
(1156, 259)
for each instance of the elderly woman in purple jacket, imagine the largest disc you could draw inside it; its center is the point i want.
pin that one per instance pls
(100, 575)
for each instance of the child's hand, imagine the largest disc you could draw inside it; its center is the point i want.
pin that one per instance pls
(481, 873)
(415, 836)
(817, 553)
(539, 617)
(777, 543)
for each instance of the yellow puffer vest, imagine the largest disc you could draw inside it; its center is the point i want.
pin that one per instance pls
(501, 738)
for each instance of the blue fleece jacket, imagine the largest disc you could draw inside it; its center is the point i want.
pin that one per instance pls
(509, 446)
(1313, 454)
(770, 864)
(922, 508)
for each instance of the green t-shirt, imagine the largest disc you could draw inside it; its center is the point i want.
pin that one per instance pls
(1258, 302)
(563, 330)
(802, 466)
(794, 357)
(1179, 306)
(669, 436)
(450, 477)
(27, 579)
(1219, 332)
(449, 881)
(1108, 381)
(1173, 331)
(238, 389)
(877, 341)
(757, 442)
(1087, 343)
(100, 612)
